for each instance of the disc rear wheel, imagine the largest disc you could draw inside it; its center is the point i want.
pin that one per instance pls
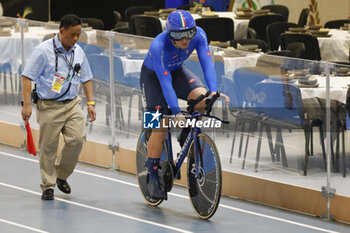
(141, 170)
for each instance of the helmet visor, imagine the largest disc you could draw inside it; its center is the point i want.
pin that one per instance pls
(179, 35)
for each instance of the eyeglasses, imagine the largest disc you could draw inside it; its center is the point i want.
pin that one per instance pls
(179, 35)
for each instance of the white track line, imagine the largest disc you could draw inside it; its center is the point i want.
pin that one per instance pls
(186, 197)
(99, 209)
(22, 226)
(278, 219)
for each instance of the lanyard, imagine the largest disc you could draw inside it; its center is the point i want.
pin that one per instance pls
(69, 63)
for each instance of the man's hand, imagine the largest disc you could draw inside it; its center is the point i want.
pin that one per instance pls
(92, 113)
(26, 113)
(26, 104)
(87, 86)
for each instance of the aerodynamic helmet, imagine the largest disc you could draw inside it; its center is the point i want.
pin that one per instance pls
(180, 24)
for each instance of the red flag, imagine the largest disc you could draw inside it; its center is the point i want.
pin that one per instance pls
(30, 142)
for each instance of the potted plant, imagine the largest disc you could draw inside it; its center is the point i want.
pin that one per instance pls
(27, 11)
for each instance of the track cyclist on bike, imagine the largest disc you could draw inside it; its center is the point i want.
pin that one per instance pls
(164, 79)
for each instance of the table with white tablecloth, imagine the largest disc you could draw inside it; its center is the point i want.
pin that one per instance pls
(131, 65)
(231, 63)
(10, 46)
(337, 91)
(314, 99)
(335, 47)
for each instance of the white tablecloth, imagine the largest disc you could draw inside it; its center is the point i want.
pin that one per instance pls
(131, 65)
(240, 25)
(336, 47)
(233, 63)
(10, 46)
(338, 89)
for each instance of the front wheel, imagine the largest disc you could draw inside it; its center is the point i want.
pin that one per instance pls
(204, 191)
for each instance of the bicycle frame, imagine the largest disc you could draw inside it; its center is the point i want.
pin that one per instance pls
(184, 150)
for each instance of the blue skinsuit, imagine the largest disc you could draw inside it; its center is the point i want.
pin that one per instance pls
(163, 58)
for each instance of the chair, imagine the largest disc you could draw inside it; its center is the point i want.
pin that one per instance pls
(94, 23)
(336, 23)
(128, 80)
(49, 36)
(258, 24)
(279, 9)
(273, 32)
(81, 44)
(100, 71)
(137, 10)
(243, 107)
(101, 81)
(144, 25)
(90, 49)
(340, 121)
(281, 107)
(6, 75)
(260, 43)
(301, 45)
(217, 29)
(127, 85)
(304, 15)
(119, 24)
(188, 7)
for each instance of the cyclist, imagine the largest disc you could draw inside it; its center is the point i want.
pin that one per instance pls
(164, 79)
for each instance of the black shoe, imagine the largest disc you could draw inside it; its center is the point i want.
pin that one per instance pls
(183, 135)
(63, 185)
(47, 194)
(155, 191)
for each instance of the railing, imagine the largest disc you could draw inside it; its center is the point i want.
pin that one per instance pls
(262, 140)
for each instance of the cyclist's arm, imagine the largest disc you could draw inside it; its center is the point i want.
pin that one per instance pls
(204, 56)
(165, 80)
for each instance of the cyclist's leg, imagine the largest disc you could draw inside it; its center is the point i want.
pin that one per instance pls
(189, 87)
(154, 152)
(199, 107)
(186, 84)
(155, 100)
(155, 143)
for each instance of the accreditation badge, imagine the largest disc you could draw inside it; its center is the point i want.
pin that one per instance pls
(57, 83)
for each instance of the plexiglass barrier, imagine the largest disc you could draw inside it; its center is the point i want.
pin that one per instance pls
(288, 117)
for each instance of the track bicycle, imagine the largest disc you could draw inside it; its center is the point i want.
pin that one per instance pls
(204, 175)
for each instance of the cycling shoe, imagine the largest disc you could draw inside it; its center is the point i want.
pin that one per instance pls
(155, 191)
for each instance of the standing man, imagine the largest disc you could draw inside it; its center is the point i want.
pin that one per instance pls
(57, 66)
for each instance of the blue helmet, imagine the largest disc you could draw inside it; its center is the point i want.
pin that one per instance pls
(180, 20)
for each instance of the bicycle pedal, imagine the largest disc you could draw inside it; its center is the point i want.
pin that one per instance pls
(166, 176)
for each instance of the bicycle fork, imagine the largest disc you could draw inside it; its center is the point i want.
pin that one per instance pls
(197, 154)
